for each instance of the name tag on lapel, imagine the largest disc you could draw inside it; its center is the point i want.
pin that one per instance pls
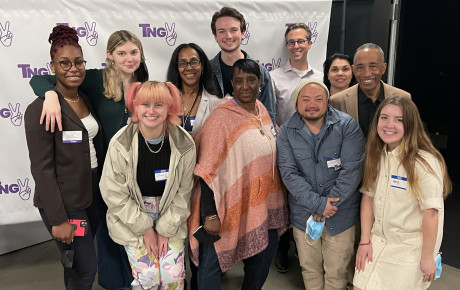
(72, 136)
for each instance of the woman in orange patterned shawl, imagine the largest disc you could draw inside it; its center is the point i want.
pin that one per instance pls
(239, 195)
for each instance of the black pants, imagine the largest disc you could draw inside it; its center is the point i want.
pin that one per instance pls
(256, 268)
(285, 241)
(114, 269)
(84, 260)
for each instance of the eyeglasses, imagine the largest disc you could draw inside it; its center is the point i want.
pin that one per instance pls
(293, 42)
(192, 63)
(67, 65)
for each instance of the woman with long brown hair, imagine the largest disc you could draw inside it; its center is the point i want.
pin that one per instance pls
(402, 208)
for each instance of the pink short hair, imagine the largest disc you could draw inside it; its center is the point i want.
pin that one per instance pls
(156, 92)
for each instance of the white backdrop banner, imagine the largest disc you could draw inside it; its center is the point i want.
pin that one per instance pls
(161, 25)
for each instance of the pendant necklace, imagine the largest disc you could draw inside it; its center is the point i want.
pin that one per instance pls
(184, 120)
(257, 117)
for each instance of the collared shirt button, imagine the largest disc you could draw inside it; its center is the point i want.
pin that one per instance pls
(320, 185)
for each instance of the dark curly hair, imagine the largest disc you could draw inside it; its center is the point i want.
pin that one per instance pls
(61, 36)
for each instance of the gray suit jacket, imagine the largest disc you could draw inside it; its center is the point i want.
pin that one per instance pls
(347, 100)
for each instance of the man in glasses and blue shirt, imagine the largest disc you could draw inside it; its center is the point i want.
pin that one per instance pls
(285, 79)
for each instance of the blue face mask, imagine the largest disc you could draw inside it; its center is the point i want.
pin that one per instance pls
(314, 229)
(437, 260)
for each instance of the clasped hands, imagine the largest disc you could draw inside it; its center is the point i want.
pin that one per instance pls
(156, 244)
(329, 211)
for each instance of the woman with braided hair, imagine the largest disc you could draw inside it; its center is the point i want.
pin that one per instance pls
(65, 163)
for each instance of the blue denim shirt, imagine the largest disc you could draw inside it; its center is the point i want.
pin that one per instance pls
(309, 179)
(266, 95)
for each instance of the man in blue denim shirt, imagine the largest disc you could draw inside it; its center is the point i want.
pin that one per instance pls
(320, 155)
(229, 29)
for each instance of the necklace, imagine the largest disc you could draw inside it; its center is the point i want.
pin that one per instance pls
(73, 101)
(257, 117)
(147, 143)
(184, 120)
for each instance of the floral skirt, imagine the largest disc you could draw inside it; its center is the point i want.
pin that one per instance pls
(165, 272)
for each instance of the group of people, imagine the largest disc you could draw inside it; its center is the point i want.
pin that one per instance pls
(227, 156)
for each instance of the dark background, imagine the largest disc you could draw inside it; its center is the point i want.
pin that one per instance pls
(427, 66)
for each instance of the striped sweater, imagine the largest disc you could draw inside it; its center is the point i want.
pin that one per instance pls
(237, 159)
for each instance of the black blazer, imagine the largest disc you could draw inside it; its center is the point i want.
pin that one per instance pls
(62, 171)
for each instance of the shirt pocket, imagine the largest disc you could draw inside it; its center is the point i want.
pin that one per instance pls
(330, 153)
(302, 154)
(304, 160)
(333, 168)
(400, 195)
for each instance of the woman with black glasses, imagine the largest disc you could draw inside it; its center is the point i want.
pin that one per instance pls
(190, 71)
(65, 163)
(108, 86)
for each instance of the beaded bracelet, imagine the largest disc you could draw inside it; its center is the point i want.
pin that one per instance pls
(211, 217)
(364, 244)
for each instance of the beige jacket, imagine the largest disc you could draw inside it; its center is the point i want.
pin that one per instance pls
(127, 219)
(347, 100)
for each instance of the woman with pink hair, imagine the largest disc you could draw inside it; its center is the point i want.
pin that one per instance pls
(146, 183)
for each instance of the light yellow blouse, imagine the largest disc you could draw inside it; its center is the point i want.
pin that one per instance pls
(397, 230)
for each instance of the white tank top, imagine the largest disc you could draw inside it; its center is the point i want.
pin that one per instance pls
(92, 127)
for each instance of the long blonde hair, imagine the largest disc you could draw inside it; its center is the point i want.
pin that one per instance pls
(414, 141)
(111, 76)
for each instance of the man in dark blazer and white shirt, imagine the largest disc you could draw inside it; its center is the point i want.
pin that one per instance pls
(362, 100)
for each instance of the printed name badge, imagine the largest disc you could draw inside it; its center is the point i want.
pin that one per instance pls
(192, 121)
(161, 175)
(272, 129)
(399, 182)
(334, 163)
(72, 136)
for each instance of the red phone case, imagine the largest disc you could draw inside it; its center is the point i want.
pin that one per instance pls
(79, 227)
